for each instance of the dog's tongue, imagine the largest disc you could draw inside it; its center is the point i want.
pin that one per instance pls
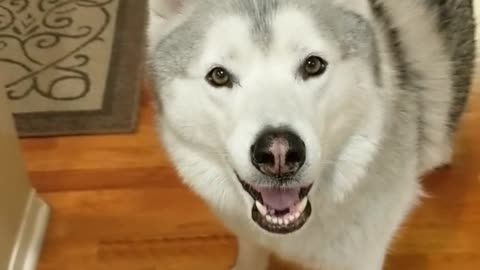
(279, 199)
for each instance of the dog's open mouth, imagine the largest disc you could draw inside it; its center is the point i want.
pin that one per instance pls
(280, 210)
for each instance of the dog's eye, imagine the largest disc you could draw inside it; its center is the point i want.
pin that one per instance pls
(313, 66)
(220, 77)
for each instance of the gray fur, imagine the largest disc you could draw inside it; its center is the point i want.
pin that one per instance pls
(456, 22)
(260, 14)
(405, 72)
(181, 46)
(177, 50)
(354, 33)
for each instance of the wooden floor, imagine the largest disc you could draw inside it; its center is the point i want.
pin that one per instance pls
(118, 205)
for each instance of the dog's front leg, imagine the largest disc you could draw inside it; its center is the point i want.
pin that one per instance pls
(251, 257)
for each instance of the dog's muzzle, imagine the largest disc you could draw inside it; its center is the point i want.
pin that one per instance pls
(281, 205)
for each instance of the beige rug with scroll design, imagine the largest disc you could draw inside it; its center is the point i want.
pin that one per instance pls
(72, 67)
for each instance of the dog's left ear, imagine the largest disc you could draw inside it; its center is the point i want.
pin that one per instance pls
(360, 7)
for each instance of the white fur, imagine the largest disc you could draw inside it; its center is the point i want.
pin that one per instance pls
(360, 154)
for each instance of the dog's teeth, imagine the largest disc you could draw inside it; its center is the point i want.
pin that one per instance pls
(281, 221)
(302, 205)
(275, 220)
(286, 221)
(291, 218)
(297, 215)
(262, 209)
(269, 219)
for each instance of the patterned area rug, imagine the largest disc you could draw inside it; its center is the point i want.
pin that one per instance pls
(72, 67)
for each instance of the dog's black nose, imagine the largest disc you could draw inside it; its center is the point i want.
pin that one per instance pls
(278, 152)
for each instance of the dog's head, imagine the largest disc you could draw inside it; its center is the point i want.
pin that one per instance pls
(271, 110)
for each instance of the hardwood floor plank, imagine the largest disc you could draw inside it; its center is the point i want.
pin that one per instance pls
(104, 178)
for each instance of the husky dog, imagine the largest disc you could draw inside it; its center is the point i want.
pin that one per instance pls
(306, 124)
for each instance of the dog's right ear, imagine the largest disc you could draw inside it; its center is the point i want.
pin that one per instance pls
(163, 16)
(166, 9)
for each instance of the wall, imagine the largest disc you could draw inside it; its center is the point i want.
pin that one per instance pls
(15, 189)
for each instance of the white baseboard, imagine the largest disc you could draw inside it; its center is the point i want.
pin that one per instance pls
(29, 240)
